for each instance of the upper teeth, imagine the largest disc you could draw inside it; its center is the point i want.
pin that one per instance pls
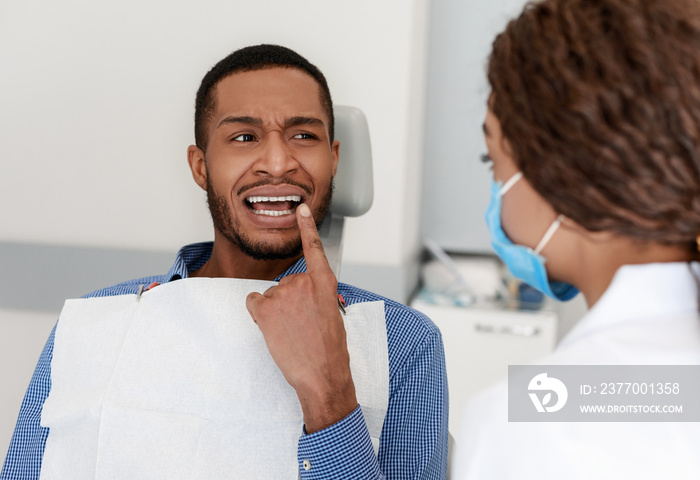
(288, 198)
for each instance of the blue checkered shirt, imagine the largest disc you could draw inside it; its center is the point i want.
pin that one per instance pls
(413, 442)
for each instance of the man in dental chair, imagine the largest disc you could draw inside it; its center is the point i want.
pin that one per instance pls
(222, 367)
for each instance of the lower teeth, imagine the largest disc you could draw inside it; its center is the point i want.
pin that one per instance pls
(272, 213)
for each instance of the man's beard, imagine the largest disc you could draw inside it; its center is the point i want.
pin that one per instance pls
(260, 250)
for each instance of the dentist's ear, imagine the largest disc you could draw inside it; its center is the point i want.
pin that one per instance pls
(198, 166)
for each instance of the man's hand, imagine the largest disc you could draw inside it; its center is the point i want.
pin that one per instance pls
(305, 335)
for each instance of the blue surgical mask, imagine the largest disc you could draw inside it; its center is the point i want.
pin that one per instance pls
(523, 262)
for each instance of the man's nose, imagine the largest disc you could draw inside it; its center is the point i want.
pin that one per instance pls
(277, 158)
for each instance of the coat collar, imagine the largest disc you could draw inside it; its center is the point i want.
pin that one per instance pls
(653, 291)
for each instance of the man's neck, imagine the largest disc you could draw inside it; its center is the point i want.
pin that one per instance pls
(228, 261)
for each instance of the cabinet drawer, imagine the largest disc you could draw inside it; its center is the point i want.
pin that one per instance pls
(481, 343)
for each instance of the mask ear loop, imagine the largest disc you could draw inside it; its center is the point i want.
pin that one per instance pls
(694, 272)
(511, 181)
(549, 233)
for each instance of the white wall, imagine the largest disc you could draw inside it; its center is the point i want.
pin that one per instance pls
(96, 106)
(456, 185)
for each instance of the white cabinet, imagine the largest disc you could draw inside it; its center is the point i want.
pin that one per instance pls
(480, 343)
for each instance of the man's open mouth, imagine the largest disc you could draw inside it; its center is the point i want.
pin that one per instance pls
(273, 206)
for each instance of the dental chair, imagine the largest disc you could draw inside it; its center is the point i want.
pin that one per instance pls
(354, 190)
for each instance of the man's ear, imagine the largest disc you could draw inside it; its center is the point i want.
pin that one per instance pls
(198, 166)
(335, 151)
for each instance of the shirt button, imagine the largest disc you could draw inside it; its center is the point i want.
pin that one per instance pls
(307, 465)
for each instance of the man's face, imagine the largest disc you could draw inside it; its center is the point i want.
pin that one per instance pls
(268, 151)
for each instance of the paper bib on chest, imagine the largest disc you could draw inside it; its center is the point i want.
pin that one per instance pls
(181, 385)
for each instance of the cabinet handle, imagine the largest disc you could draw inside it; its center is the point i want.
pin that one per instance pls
(517, 330)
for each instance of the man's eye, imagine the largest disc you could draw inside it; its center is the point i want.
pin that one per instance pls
(244, 137)
(304, 136)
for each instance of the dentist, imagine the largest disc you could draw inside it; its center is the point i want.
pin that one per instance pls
(593, 134)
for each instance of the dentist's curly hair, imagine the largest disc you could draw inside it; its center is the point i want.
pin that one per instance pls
(599, 101)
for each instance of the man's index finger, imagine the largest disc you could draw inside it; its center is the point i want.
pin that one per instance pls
(316, 260)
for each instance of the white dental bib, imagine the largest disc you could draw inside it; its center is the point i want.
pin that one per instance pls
(180, 384)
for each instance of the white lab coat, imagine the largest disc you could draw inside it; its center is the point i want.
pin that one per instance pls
(648, 316)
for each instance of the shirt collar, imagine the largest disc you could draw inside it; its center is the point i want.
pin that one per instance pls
(642, 292)
(194, 256)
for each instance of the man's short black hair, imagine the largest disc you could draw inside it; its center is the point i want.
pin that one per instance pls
(248, 59)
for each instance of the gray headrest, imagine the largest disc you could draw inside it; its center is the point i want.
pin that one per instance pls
(354, 188)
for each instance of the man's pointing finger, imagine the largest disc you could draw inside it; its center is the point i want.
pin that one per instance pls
(316, 261)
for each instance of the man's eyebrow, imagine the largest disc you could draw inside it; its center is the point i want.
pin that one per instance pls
(256, 122)
(485, 129)
(296, 121)
(289, 122)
